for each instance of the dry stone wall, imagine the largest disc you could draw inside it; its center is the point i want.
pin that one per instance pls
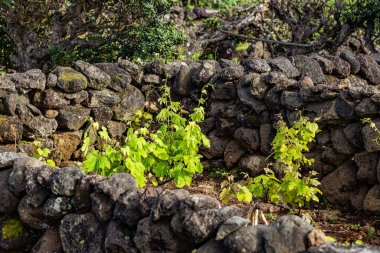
(242, 109)
(63, 210)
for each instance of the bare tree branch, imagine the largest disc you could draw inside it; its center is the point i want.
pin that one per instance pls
(291, 44)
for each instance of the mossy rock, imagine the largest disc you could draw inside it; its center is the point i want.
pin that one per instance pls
(11, 228)
(70, 80)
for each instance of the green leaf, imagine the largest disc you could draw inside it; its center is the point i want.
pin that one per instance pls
(50, 163)
(161, 154)
(244, 195)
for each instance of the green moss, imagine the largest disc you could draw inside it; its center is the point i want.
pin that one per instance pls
(12, 228)
(71, 76)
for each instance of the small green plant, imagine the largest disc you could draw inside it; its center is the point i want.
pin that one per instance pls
(12, 228)
(242, 46)
(374, 127)
(334, 218)
(220, 173)
(354, 226)
(212, 23)
(289, 145)
(169, 153)
(42, 154)
(371, 231)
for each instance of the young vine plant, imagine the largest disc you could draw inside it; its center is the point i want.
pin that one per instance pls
(157, 149)
(288, 150)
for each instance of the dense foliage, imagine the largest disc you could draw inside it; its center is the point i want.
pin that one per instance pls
(328, 23)
(159, 150)
(289, 146)
(45, 33)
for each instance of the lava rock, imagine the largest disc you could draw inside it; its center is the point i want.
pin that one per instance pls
(65, 144)
(217, 148)
(132, 100)
(33, 79)
(246, 239)
(253, 164)
(370, 70)
(100, 98)
(231, 225)
(283, 65)
(168, 203)
(367, 164)
(82, 197)
(33, 216)
(342, 69)
(98, 78)
(201, 225)
(205, 72)
(120, 79)
(248, 138)
(354, 135)
(102, 115)
(230, 70)
(371, 204)
(309, 67)
(366, 108)
(291, 100)
(351, 59)
(6, 85)
(102, 206)
(357, 197)
(49, 242)
(287, 234)
(9, 199)
(246, 97)
(10, 129)
(212, 246)
(82, 233)
(127, 208)
(267, 134)
(118, 239)
(73, 118)
(337, 185)
(258, 87)
(182, 84)
(256, 65)
(326, 65)
(63, 182)
(57, 207)
(7, 159)
(341, 143)
(158, 237)
(233, 153)
(40, 126)
(51, 99)
(369, 135)
(224, 91)
(22, 167)
(69, 80)
(116, 129)
(116, 185)
(133, 69)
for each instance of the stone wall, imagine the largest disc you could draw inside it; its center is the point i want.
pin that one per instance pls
(63, 210)
(340, 90)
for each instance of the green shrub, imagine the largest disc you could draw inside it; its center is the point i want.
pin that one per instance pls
(289, 145)
(169, 153)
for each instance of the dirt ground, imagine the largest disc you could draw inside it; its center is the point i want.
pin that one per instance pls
(345, 224)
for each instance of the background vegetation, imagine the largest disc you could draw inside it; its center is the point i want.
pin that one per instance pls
(43, 34)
